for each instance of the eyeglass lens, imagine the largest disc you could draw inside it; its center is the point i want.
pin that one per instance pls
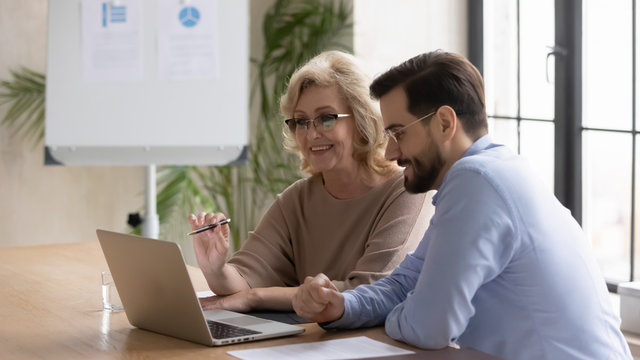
(324, 122)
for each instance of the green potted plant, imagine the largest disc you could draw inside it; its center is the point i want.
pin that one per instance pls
(293, 31)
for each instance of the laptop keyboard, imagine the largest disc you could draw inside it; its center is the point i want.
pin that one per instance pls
(224, 331)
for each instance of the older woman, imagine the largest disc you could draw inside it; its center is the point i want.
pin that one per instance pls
(351, 219)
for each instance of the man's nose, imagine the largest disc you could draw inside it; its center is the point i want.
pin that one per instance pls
(392, 152)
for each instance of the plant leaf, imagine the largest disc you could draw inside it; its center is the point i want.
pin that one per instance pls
(25, 96)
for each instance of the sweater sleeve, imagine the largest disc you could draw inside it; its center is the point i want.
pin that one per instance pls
(266, 257)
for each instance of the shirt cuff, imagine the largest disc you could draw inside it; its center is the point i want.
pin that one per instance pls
(347, 318)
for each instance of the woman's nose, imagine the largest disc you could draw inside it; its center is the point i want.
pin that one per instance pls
(312, 133)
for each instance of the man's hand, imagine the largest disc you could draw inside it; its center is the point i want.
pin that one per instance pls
(318, 300)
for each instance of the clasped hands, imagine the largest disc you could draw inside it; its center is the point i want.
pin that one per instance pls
(318, 300)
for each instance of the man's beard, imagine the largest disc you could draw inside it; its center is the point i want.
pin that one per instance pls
(425, 171)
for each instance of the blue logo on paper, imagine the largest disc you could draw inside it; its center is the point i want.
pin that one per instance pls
(113, 14)
(189, 16)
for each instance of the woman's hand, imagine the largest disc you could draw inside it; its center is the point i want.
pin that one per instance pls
(271, 298)
(239, 302)
(211, 246)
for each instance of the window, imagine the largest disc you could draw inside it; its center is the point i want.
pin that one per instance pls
(577, 127)
(609, 134)
(560, 86)
(518, 83)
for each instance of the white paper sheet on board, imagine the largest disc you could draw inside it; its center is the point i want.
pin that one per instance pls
(187, 40)
(112, 40)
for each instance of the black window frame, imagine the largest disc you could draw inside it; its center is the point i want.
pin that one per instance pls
(568, 127)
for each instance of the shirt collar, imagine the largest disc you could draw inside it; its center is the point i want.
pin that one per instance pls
(479, 145)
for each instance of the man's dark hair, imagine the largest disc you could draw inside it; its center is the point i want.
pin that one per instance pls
(435, 79)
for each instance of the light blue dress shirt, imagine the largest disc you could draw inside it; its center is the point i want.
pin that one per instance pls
(503, 268)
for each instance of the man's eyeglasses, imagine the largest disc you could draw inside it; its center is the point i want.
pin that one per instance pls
(323, 122)
(396, 132)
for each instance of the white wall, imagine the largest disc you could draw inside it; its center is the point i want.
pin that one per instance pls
(49, 204)
(387, 32)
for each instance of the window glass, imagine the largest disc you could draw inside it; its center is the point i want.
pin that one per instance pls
(501, 57)
(637, 45)
(504, 132)
(636, 223)
(537, 36)
(606, 186)
(606, 64)
(537, 146)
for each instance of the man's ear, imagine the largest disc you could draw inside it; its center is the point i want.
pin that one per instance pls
(447, 124)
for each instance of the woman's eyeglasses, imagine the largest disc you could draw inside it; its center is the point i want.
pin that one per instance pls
(323, 122)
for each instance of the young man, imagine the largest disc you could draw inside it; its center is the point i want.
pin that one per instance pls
(504, 267)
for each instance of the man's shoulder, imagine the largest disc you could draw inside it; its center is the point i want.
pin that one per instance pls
(497, 171)
(496, 161)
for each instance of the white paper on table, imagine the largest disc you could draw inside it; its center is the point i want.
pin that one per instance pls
(188, 46)
(112, 40)
(350, 348)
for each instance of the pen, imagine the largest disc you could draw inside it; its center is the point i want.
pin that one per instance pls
(210, 226)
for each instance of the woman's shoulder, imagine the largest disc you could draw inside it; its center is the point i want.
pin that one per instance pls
(300, 186)
(393, 184)
(394, 190)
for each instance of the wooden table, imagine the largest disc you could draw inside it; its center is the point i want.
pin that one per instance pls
(50, 308)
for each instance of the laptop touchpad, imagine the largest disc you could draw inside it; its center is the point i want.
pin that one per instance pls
(245, 321)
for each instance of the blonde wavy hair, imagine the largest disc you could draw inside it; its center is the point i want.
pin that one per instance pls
(342, 70)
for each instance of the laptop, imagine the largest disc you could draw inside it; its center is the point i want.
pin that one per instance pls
(157, 295)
